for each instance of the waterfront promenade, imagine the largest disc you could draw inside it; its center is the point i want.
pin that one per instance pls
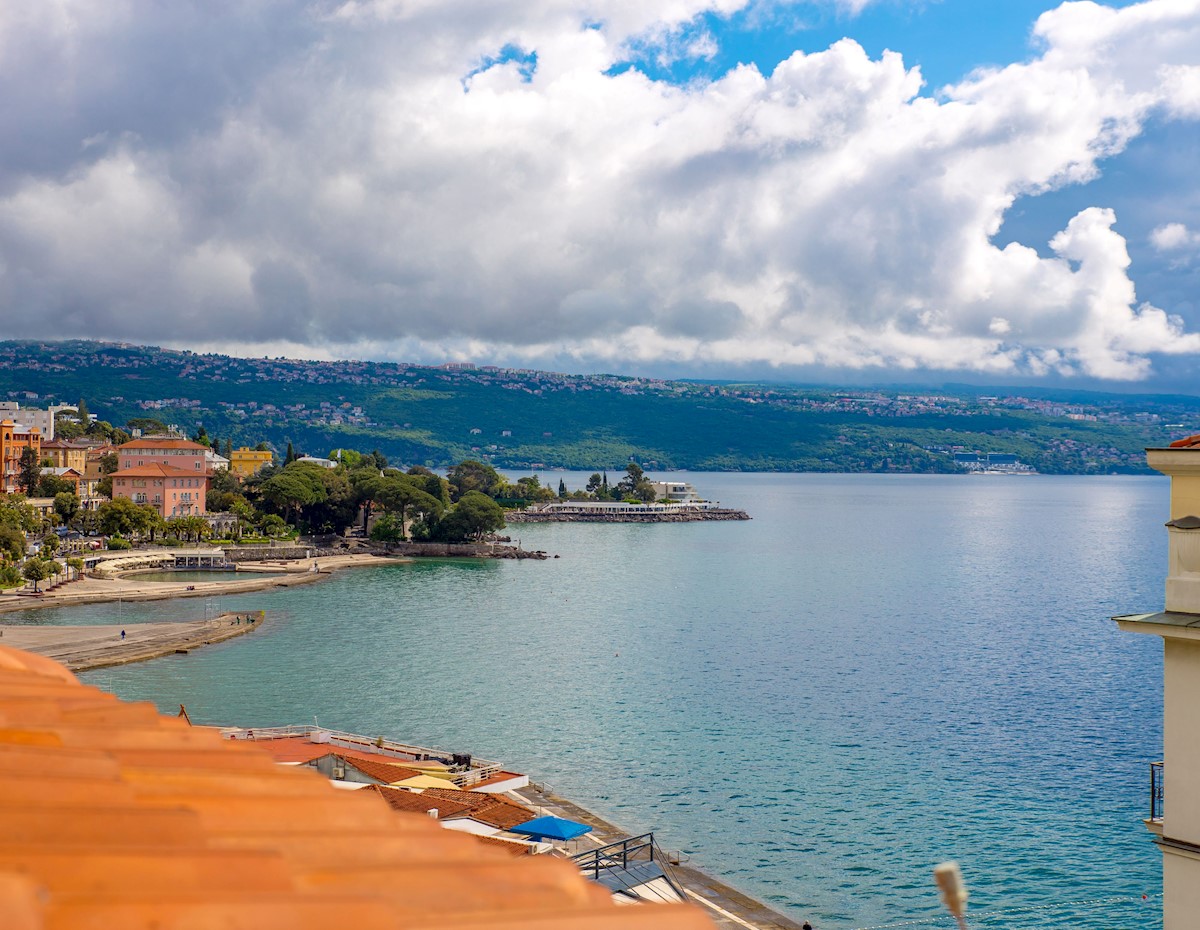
(81, 648)
(250, 577)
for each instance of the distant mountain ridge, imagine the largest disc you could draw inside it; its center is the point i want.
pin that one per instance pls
(530, 419)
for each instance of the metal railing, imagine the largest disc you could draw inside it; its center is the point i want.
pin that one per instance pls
(615, 859)
(1156, 791)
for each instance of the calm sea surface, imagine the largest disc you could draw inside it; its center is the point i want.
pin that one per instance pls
(875, 674)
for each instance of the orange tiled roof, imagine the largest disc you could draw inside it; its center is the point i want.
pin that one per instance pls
(117, 816)
(399, 799)
(153, 443)
(508, 846)
(1188, 443)
(156, 470)
(386, 772)
(302, 749)
(491, 809)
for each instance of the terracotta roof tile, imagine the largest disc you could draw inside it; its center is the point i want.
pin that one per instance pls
(150, 442)
(385, 772)
(412, 802)
(512, 847)
(156, 470)
(491, 809)
(1188, 443)
(117, 817)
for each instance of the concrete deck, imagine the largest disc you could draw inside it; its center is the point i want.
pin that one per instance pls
(247, 578)
(729, 908)
(80, 648)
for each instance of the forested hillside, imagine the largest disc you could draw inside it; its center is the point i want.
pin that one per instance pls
(516, 418)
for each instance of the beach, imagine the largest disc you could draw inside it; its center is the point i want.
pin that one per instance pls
(81, 648)
(251, 576)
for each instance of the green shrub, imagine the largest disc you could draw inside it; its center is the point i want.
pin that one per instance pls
(118, 542)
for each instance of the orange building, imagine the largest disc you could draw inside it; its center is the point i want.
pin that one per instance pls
(170, 474)
(14, 440)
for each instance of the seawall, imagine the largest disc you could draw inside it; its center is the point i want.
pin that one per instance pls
(688, 516)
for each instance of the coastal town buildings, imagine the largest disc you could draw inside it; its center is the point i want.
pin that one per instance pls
(64, 453)
(1174, 806)
(245, 461)
(169, 473)
(15, 438)
(42, 420)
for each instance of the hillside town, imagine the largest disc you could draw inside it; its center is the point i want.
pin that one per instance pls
(523, 418)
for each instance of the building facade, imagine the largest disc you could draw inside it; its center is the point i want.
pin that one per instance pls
(244, 462)
(169, 474)
(15, 438)
(1175, 782)
(43, 420)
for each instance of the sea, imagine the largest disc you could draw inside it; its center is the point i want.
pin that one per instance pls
(873, 675)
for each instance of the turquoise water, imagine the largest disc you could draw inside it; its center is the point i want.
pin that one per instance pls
(875, 674)
(183, 575)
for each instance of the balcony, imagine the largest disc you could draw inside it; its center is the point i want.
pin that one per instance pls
(1154, 823)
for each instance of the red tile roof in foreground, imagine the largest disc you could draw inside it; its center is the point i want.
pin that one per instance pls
(116, 816)
(1188, 443)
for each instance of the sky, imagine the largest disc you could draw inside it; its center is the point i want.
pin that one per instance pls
(837, 190)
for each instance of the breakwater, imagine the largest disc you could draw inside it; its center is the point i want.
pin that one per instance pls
(434, 550)
(604, 516)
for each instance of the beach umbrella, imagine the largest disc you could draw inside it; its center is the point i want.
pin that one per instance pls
(551, 828)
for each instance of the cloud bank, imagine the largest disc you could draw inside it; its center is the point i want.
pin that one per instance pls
(481, 179)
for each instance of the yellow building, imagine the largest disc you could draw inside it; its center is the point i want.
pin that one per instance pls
(245, 462)
(62, 453)
(1175, 782)
(15, 439)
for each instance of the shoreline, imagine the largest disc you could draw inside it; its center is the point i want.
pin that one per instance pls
(85, 648)
(125, 587)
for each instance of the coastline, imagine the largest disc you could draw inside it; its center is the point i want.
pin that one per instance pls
(86, 648)
(282, 574)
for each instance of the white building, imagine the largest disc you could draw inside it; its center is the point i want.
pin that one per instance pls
(1175, 782)
(675, 491)
(30, 416)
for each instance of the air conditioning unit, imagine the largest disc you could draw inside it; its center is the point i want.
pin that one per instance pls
(339, 772)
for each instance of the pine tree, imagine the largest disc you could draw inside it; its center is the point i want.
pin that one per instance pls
(562, 488)
(291, 455)
(81, 411)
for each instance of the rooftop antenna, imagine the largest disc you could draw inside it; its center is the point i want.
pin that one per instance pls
(954, 893)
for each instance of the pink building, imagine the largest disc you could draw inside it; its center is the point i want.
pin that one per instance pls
(169, 474)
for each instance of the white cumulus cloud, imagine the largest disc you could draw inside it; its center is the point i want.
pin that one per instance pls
(477, 179)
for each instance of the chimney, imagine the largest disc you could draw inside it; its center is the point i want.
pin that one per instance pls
(1181, 462)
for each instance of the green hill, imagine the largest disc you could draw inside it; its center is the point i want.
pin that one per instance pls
(517, 418)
